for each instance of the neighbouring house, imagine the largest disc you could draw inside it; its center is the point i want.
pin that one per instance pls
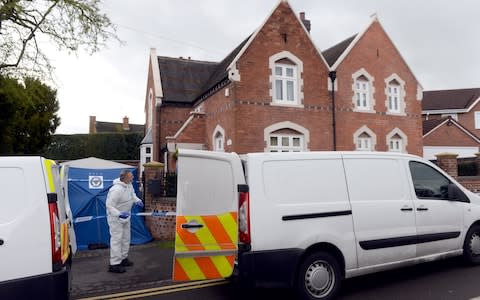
(447, 135)
(275, 92)
(110, 127)
(451, 122)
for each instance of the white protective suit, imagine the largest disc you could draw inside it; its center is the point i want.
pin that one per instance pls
(120, 198)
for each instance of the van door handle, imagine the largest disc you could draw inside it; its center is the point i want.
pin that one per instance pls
(1, 242)
(186, 226)
(422, 208)
(406, 209)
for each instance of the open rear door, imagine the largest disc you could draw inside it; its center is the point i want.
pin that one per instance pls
(206, 237)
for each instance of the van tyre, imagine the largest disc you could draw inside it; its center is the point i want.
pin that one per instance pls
(471, 246)
(319, 277)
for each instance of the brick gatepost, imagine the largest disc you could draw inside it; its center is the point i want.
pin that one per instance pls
(448, 163)
(161, 228)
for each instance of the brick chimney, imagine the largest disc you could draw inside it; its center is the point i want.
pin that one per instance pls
(92, 127)
(126, 127)
(305, 22)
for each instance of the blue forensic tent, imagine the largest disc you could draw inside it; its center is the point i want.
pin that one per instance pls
(87, 182)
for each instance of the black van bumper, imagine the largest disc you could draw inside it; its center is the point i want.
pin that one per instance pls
(270, 268)
(46, 286)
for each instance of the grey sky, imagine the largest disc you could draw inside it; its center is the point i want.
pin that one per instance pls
(439, 39)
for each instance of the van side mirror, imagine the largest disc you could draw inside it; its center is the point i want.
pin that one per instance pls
(456, 194)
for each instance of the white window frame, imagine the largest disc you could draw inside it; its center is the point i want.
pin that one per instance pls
(477, 119)
(372, 139)
(297, 79)
(304, 134)
(401, 95)
(279, 147)
(218, 139)
(364, 92)
(284, 79)
(403, 142)
(364, 144)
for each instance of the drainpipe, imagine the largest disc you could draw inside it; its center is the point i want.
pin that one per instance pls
(333, 76)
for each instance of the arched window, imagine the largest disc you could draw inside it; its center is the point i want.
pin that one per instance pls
(286, 79)
(363, 91)
(286, 137)
(395, 91)
(219, 139)
(364, 139)
(397, 141)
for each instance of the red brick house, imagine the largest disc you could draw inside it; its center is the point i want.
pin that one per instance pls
(451, 122)
(274, 92)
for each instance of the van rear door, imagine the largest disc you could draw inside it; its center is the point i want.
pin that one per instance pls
(206, 239)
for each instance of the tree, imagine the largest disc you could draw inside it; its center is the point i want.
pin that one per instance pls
(31, 117)
(67, 24)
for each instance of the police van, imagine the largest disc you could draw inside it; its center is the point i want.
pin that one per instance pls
(35, 250)
(309, 220)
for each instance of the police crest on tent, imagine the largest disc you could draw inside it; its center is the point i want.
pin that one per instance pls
(95, 182)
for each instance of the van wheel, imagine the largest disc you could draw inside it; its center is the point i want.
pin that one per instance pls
(319, 277)
(471, 246)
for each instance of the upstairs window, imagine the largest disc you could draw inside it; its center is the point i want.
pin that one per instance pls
(395, 92)
(362, 93)
(477, 120)
(393, 96)
(285, 81)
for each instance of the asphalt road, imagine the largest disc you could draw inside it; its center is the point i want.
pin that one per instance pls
(448, 279)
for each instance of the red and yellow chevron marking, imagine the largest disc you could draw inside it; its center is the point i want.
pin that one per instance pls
(218, 234)
(65, 243)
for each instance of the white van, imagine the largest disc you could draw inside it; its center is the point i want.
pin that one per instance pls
(308, 220)
(35, 255)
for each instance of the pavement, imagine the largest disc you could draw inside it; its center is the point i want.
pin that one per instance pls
(152, 268)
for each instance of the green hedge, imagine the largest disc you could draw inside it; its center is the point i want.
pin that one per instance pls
(111, 146)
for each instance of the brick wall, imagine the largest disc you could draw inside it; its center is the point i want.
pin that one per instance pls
(161, 228)
(375, 53)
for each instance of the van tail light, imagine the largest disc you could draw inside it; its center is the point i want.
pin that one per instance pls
(55, 232)
(244, 214)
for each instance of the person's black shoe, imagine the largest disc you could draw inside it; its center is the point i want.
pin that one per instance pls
(126, 263)
(116, 269)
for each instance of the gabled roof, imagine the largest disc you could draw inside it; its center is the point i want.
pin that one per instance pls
(460, 99)
(109, 127)
(333, 53)
(95, 163)
(185, 80)
(430, 126)
(148, 137)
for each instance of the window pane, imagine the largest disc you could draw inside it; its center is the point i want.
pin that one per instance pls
(358, 86)
(365, 100)
(148, 159)
(273, 141)
(395, 102)
(289, 72)
(358, 99)
(285, 141)
(278, 71)
(279, 89)
(428, 182)
(296, 142)
(290, 91)
(390, 102)
(147, 150)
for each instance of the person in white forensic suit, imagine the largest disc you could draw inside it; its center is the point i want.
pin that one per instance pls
(120, 199)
